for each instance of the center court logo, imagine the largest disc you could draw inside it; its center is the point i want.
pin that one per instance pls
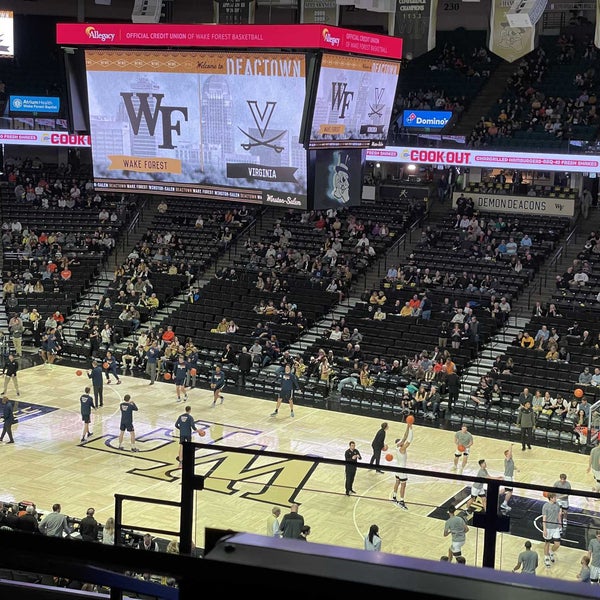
(94, 34)
(329, 39)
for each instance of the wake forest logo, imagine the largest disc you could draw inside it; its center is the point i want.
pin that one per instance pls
(144, 113)
(262, 118)
(340, 98)
(250, 476)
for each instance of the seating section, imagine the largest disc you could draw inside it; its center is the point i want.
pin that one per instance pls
(40, 244)
(549, 100)
(449, 249)
(235, 299)
(198, 233)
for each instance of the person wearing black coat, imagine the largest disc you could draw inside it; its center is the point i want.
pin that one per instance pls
(9, 419)
(89, 527)
(95, 374)
(377, 445)
(244, 365)
(453, 388)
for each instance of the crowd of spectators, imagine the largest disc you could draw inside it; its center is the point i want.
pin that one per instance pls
(525, 106)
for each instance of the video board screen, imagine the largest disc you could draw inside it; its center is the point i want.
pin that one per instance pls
(7, 34)
(220, 125)
(353, 102)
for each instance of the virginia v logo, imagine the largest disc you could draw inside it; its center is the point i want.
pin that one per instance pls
(377, 107)
(262, 118)
(340, 98)
(145, 113)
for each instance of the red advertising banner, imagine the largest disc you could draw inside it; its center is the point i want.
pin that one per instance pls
(326, 37)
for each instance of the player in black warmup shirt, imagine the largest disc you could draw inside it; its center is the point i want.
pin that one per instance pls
(127, 407)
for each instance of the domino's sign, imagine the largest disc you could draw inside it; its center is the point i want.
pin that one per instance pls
(34, 104)
(430, 119)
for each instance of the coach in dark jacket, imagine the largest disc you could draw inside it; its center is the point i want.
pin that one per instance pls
(526, 421)
(9, 419)
(292, 523)
(95, 374)
(377, 444)
(244, 365)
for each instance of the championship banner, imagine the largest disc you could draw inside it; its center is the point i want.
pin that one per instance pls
(509, 43)
(550, 207)
(205, 124)
(338, 178)
(234, 12)
(324, 12)
(416, 22)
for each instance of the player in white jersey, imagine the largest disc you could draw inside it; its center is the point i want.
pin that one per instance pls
(402, 445)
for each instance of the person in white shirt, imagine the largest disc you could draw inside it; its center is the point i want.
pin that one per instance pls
(273, 523)
(372, 539)
(580, 279)
(336, 334)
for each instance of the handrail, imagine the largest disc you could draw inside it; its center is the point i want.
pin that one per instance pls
(119, 525)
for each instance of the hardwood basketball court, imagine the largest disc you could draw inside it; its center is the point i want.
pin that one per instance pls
(49, 464)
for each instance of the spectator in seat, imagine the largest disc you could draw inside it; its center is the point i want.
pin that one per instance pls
(29, 521)
(585, 377)
(483, 392)
(527, 341)
(541, 337)
(431, 404)
(552, 355)
(147, 543)
(379, 315)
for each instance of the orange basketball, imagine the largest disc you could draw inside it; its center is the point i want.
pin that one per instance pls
(193, 372)
(105, 365)
(389, 457)
(79, 373)
(202, 433)
(167, 376)
(578, 393)
(410, 420)
(384, 449)
(545, 494)
(461, 448)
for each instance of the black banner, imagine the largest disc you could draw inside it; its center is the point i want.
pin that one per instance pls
(263, 173)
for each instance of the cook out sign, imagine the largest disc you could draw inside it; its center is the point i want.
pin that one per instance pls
(486, 159)
(43, 138)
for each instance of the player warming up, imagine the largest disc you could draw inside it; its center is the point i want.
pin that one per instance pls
(217, 383)
(289, 384)
(186, 425)
(180, 373)
(87, 403)
(509, 475)
(127, 408)
(463, 441)
(402, 445)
